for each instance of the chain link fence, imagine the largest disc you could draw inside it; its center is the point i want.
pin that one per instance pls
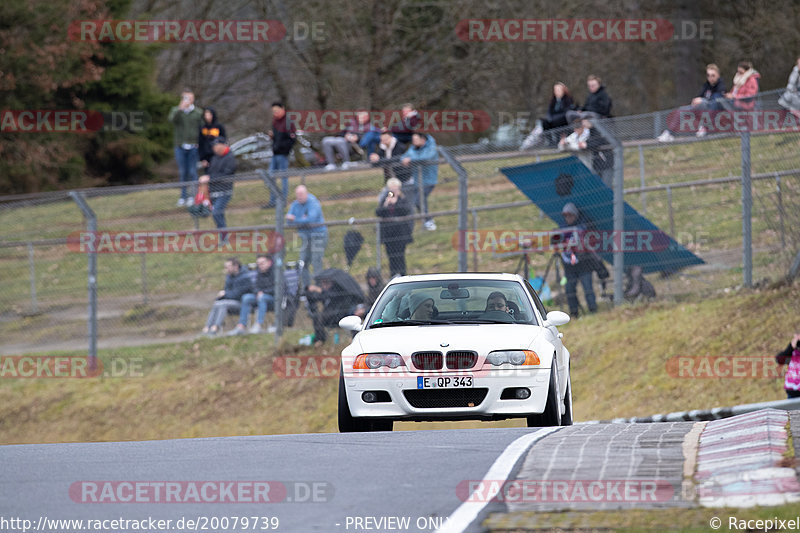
(689, 186)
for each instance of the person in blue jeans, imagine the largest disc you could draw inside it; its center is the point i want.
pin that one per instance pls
(263, 298)
(577, 264)
(284, 135)
(305, 214)
(220, 180)
(423, 148)
(186, 120)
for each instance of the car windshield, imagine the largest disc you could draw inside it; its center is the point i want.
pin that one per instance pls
(461, 301)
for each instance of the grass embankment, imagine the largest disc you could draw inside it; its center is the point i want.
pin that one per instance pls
(227, 386)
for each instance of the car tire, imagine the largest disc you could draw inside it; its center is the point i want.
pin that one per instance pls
(550, 416)
(350, 424)
(566, 418)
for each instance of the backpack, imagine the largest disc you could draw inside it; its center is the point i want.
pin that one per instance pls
(202, 203)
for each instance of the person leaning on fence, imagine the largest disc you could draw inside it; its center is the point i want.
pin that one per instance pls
(186, 120)
(237, 283)
(578, 265)
(424, 153)
(220, 180)
(790, 99)
(395, 234)
(791, 356)
(305, 214)
(263, 297)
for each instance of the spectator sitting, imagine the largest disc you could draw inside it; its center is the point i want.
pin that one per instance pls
(264, 297)
(423, 148)
(220, 180)
(745, 87)
(210, 130)
(791, 356)
(375, 286)
(602, 155)
(237, 284)
(340, 296)
(598, 103)
(305, 214)
(345, 140)
(713, 89)
(409, 121)
(577, 141)
(395, 234)
(790, 99)
(560, 102)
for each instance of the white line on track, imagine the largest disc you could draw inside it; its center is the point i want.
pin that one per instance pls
(467, 512)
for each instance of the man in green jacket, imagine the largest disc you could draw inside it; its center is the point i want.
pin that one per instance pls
(186, 120)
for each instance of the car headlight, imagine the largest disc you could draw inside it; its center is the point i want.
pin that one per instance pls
(371, 361)
(514, 357)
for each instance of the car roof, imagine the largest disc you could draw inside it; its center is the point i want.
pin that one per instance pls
(458, 276)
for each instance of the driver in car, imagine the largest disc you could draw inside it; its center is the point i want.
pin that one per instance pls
(421, 307)
(497, 302)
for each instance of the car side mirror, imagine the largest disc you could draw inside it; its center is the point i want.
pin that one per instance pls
(351, 323)
(556, 318)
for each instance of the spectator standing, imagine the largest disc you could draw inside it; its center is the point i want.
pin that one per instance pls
(284, 135)
(577, 264)
(389, 156)
(186, 120)
(395, 234)
(263, 298)
(237, 283)
(423, 152)
(375, 286)
(220, 180)
(791, 356)
(305, 214)
(210, 130)
(602, 155)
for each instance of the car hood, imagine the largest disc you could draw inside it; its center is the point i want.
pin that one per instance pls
(481, 338)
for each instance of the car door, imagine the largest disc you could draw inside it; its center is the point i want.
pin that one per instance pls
(554, 337)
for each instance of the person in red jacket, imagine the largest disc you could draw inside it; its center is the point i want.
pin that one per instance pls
(791, 356)
(745, 87)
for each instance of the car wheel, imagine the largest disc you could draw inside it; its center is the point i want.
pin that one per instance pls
(566, 418)
(347, 422)
(550, 416)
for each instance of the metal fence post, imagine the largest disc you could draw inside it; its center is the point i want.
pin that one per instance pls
(32, 270)
(780, 210)
(378, 246)
(747, 208)
(280, 265)
(670, 212)
(619, 210)
(144, 279)
(463, 200)
(91, 226)
(475, 251)
(643, 195)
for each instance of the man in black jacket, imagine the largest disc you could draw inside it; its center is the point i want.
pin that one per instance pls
(598, 103)
(264, 296)
(283, 136)
(210, 130)
(237, 283)
(220, 180)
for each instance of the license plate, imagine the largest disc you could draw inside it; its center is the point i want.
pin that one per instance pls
(444, 382)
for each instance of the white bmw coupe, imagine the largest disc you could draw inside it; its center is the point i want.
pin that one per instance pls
(455, 347)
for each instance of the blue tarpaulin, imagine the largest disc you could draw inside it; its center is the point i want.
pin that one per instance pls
(551, 184)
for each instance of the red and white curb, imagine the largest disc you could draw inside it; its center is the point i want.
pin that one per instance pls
(738, 462)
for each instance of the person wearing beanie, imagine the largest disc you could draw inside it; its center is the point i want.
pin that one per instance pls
(421, 306)
(577, 263)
